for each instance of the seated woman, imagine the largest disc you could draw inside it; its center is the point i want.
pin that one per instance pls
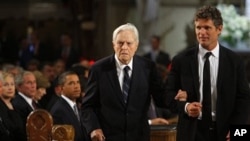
(42, 84)
(12, 126)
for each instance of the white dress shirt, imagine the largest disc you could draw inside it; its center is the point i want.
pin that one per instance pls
(120, 67)
(214, 64)
(27, 99)
(70, 102)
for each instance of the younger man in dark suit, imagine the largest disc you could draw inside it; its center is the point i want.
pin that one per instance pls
(65, 110)
(214, 80)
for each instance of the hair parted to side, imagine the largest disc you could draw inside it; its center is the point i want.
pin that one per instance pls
(209, 12)
(19, 77)
(62, 77)
(127, 26)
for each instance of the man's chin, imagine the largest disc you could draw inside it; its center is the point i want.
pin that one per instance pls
(124, 59)
(123, 62)
(203, 44)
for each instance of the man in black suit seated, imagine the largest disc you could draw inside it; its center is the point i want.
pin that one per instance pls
(65, 110)
(161, 116)
(23, 102)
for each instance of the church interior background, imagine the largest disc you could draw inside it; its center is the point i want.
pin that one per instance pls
(91, 22)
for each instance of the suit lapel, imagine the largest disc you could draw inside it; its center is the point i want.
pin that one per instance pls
(113, 80)
(134, 80)
(25, 102)
(138, 81)
(195, 68)
(222, 66)
(69, 109)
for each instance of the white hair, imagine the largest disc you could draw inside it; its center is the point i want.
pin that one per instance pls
(127, 26)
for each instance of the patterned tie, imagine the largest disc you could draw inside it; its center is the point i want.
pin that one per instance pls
(34, 105)
(76, 112)
(126, 84)
(206, 103)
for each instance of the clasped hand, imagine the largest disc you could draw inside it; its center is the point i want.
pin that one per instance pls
(193, 109)
(97, 135)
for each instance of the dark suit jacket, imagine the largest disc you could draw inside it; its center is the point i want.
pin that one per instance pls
(162, 58)
(232, 91)
(11, 126)
(103, 106)
(22, 107)
(62, 113)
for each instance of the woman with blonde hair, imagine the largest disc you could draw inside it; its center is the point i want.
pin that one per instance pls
(10, 119)
(42, 84)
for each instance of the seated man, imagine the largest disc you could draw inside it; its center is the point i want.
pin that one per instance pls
(160, 116)
(65, 110)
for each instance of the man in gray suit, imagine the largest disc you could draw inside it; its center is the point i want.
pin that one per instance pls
(119, 90)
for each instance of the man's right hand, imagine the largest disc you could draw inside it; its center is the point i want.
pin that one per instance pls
(194, 109)
(159, 121)
(97, 135)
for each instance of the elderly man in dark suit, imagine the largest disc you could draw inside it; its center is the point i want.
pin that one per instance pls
(214, 79)
(118, 92)
(65, 110)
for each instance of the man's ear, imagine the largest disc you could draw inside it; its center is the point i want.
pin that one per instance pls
(220, 28)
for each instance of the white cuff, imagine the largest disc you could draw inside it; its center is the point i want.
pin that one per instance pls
(186, 107)
(149, 122)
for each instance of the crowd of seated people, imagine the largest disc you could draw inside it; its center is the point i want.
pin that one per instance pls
(35, 82)
(23, 91)
(42, 88)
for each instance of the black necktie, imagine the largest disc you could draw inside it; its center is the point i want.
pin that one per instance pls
(126, 84)
(206, 103)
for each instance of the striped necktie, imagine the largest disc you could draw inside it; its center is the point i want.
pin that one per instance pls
(126, 84)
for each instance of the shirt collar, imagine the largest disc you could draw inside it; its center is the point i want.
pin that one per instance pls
(70, 102)
(121, 66)
(27, 99)
(215, 51)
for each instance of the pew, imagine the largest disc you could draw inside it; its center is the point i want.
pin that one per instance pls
(63, 133)
(39, 127)
(164, 132)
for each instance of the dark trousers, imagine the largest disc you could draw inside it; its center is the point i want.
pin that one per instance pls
(206, 134)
